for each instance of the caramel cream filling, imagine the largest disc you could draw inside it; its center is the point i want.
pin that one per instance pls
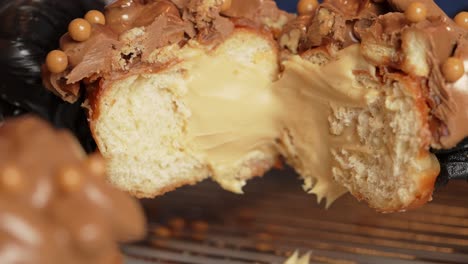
(233, 110)
(310, 95)
(236, 111)
(234, 114)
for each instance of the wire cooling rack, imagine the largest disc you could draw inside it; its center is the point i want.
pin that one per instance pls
(204, 224)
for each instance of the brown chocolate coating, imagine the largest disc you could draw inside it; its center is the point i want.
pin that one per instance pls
(346, 19)
(306, 7)
(92, 56)
(121, 14)
(244, 8)
(254, 10)
(455, 114)
(360, 9)
(54, 208)
(163, 22)
(433, 10)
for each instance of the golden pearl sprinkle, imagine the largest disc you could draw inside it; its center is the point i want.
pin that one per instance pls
(95, 17)
(56, 61)
(79, 29)
(305, 7)
(416, 12)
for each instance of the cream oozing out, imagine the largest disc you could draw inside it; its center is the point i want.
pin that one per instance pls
(235, 111)
(312, 96)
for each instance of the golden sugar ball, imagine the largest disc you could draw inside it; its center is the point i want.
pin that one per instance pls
(453, 69)
(95, 17)
(11, 179)
(56, 61)
(416, 12)
(69, 180)
(462, 19)
(96, 164)
(79, 29)
(305, 7)
(226, 5)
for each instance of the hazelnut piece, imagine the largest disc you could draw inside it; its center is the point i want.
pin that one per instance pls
(226, 5)
(95, 17)
(305, 7)
(416, 12)
(462, 19)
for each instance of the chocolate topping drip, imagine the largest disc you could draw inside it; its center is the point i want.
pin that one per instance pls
(55, 204)
(433, 10)
(90, 57)
(255, 10)
(137, 28)
(244, 8)
(453, 111)
(170, 28)
(358, 8)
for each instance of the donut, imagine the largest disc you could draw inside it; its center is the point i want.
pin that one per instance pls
(352, 94)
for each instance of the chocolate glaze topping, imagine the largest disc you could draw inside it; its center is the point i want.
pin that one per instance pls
(384, 24)
(346, 18)
(371, 23)
(56, 206)
(136, 28)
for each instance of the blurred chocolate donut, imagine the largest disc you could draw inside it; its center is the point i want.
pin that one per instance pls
(29, 29)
